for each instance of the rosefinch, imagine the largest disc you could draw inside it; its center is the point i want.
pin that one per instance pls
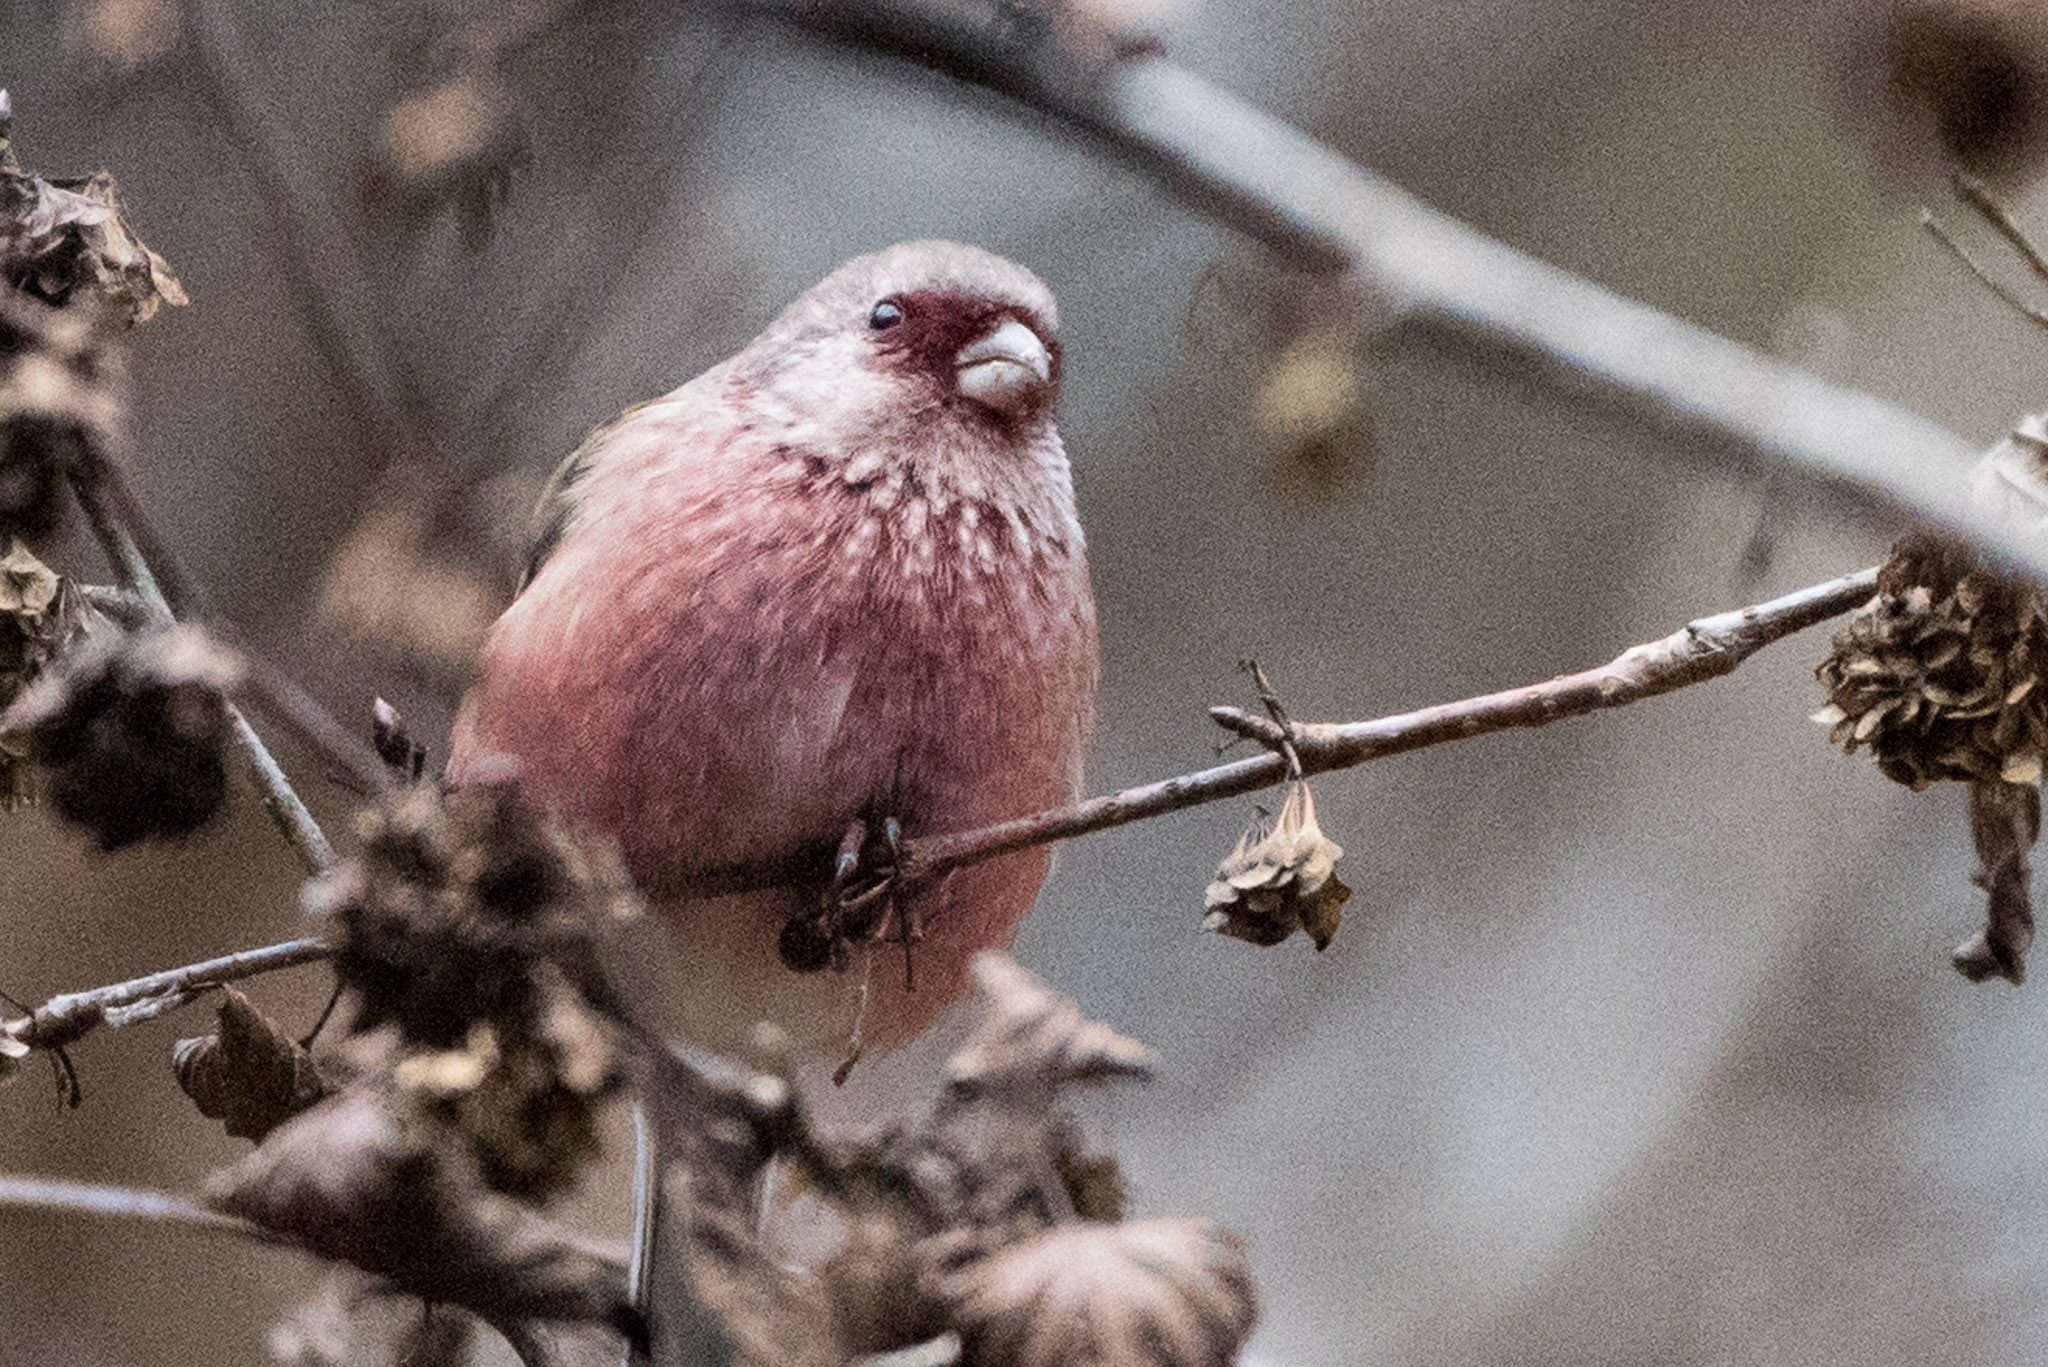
(836, 578)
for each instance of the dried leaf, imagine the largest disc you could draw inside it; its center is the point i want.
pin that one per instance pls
(250, 1074)
(359, 1180)
(1028, 1036)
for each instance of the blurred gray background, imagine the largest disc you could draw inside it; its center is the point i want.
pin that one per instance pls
(1639, 1043)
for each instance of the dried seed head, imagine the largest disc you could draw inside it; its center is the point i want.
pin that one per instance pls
(65, 241)
(1938, 674)
(249, 1074)
(472, 928)
(130, 730)
(1280, 878)
(1152, 1293)
(453, 904)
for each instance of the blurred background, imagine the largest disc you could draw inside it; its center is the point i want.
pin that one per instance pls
(1639, 1043)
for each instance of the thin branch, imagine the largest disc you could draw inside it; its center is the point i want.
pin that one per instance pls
(52, 1196)
(64, 1019)
(1429, 273)
(1703, 649)
(113, 525)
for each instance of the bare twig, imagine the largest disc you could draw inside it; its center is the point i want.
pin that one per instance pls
(113, 523)
(51, 1196)
(1430, 273)
(64, 1019)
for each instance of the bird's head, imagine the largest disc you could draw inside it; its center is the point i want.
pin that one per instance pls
(924, 332)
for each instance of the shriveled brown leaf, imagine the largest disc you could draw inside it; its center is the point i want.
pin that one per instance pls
(2005, 821)
(1027, 1035)
(360, 1180)
(249, 1074)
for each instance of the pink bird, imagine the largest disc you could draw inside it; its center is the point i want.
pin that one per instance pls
(836, 579)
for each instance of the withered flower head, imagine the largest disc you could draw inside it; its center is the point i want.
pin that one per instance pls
(56, 405)
(455, 901)
(1281, 877)
(471, 927)
(1151, 1293)
(1938, 673)
(130, 730)
(65, 241)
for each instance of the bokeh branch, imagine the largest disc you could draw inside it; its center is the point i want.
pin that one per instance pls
(1429, 274)
(138, 574)
(50, 1196)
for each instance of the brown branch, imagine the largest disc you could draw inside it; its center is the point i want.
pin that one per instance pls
(1701, 650)
(64, 1019)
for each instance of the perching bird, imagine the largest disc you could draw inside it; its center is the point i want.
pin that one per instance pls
(835, 578)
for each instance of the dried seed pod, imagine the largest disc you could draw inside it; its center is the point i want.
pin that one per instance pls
(65, 241)
(1938, 674)
(1152, 1293)
(1280, 878)
(131, 731)
(249, 1074)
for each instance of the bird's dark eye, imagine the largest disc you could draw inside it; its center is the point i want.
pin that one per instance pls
(887, 314)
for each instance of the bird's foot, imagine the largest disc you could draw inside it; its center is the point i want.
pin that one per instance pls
(855, 906)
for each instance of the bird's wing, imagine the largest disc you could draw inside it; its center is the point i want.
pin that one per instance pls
(557, 504)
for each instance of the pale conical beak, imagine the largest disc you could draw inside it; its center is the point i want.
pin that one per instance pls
(1007, 368)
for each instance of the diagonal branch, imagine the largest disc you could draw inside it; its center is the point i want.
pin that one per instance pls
(73, 1015)
(51, 1195)
(1431, 275)
(1701, 650)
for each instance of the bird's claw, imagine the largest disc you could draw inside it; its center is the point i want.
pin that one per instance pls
(855, 903)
